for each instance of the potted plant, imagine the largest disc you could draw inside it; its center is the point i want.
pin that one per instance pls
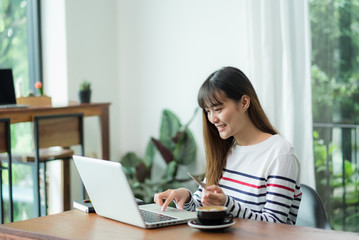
(85, 92)
(176, 148)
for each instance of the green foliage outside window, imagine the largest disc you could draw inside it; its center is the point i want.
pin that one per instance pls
(14, 55)
(330, 185)
(13, 39)
(335, 101)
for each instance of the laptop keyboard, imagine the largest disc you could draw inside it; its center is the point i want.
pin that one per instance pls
(152, 217)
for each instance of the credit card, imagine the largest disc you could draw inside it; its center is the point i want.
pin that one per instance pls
(197, 180)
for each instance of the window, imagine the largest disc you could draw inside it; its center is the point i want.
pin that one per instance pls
(20, 41)
(20, 51)
(335, 100)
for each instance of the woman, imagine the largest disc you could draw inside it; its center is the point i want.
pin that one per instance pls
(251, 169)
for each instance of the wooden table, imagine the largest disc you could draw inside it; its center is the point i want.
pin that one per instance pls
(18, 115)
(75, 224)
(101, 110)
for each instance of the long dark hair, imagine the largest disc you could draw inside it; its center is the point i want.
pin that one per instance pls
(232, 83)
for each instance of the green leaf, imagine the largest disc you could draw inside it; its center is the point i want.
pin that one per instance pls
(150, 154)
(171, 171)
(170, 125)
(186, 149)
(315, 134)
(130, 172)
(349, 169)
(2, 24)
(130, 160)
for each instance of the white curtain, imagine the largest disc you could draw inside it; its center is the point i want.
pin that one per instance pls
(278, 34)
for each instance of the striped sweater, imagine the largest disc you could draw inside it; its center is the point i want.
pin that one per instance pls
(262, 182)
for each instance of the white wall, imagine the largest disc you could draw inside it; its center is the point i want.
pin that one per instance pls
(142, 56)
(166, 49)
(92, 55)
(54, 50)
(80, 42)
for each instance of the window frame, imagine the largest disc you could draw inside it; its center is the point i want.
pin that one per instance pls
(34, 42)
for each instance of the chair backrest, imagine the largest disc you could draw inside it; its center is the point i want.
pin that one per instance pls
(4, 135)
(58, 130)
(5, 146)
(311, 210)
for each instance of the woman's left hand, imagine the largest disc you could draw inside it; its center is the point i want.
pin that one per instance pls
(213, 195)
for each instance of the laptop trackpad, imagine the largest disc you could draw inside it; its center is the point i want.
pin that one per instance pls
(170, 211)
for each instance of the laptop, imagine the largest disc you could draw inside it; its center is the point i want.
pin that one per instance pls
(7, 91)
(112, 197)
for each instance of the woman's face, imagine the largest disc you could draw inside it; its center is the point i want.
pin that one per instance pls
(229, 117)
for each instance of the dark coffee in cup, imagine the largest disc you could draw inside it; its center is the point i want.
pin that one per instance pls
(213, 215)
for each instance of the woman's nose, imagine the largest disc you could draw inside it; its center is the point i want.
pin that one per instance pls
(212, 118)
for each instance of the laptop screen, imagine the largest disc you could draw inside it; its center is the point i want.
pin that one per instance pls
(7, 91)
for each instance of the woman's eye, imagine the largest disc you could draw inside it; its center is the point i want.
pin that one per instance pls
(218, 109)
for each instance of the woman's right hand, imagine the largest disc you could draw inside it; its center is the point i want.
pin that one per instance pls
(180, 195)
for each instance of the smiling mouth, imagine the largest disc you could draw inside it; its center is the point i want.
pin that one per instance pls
(220, 127)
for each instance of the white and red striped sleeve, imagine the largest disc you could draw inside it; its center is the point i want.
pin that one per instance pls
(273, 198)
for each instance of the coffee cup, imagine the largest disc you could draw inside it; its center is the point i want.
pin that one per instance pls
(213, 215)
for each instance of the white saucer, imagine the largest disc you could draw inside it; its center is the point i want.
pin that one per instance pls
(196, 224)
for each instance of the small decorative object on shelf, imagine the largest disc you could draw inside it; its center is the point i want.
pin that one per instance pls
(38, 86)
(85, 92)
(33, 100)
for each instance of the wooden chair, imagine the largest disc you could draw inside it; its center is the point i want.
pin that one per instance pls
(5, 146)
(49, 131)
